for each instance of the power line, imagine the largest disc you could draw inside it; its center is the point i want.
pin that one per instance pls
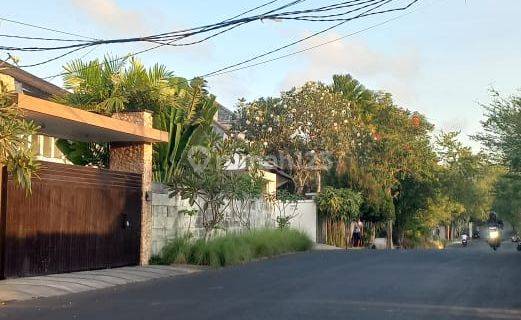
(182, 34)
(39, 38)
(215, 73)
(312, 47)
(161, 44)
(381, 3)
(169, 43)
(318, 45)
(46, 28)
(236, 66)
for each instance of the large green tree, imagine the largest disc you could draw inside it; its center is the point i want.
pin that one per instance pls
(507, 201)
(466, 178)
(502, 130)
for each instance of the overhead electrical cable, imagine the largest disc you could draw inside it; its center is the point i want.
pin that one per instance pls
(368, 12)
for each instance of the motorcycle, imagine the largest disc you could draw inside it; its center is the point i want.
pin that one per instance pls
(494, 237)
(464, 242)
(515, 238)
(519, 246)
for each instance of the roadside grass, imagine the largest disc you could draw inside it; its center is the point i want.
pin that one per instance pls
(233, 248)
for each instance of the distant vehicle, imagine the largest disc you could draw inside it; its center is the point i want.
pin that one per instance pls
(519, 246)
(515, 238)
(494, 237)
(475, 235)
(464, 239)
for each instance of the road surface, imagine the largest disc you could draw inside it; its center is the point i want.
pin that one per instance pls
(457, 283)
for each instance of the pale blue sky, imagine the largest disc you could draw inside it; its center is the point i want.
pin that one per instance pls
(440, 60)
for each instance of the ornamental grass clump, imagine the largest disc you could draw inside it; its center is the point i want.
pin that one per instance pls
(233, 248)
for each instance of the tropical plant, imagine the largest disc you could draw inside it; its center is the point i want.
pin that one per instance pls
(109, 86)
(116, 84)
(15, 153)
(188, 120)
(183, 108)
(206, 181)
(85, 153)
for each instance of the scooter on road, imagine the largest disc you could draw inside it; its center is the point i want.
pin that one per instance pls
(494, 237)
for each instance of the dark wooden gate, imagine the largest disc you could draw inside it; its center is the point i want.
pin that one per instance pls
(76, 218)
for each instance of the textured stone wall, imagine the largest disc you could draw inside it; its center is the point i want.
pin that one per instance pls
(169, 221)
(137, 158)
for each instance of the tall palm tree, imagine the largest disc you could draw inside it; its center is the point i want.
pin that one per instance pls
(183, 108)
(114, 85)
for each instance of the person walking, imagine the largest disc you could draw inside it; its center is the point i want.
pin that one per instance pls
(357, 235)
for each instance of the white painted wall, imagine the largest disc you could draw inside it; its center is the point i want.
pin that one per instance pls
(169, 221)
(306, 220)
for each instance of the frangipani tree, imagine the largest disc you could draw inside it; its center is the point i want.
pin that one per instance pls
(301, 130)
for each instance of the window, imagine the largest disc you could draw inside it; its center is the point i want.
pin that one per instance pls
(35, 144)
(48, 144)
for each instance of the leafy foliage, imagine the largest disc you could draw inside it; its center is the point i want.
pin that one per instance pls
(300, 129)
(188, 120)
(507, 201)
(84, 153)
(207, 181)
(14, 132)
(114, 85)
(502, 130)
(184, 109)
(341, 204)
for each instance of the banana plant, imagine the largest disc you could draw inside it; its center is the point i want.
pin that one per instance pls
(187, 121)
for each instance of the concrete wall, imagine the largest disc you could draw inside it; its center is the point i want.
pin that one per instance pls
(306, 219)
(170, 220)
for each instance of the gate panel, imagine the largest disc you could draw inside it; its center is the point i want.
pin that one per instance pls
(72, 221)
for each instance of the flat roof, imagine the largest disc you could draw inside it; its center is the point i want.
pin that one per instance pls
(61, 121)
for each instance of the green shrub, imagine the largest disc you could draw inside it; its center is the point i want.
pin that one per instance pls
(176, 251)
(233, 248)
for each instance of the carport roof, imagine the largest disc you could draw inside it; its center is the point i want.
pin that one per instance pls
(61, 121)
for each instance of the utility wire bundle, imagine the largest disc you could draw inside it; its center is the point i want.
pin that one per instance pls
(339, 13)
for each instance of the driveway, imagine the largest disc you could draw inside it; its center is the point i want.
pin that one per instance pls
(457, 283)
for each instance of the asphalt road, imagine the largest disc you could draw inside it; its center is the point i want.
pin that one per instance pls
(458, 283)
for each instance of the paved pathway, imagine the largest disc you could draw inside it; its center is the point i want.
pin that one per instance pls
(67, 283)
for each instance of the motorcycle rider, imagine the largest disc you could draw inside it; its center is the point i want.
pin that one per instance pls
(464, 239)
(494, 226)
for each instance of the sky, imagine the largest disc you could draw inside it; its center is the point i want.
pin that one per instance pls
(441, 59)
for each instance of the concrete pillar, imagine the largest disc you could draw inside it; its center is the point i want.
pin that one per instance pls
(137, 157)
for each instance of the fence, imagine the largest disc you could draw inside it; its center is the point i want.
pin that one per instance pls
(170, 220)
